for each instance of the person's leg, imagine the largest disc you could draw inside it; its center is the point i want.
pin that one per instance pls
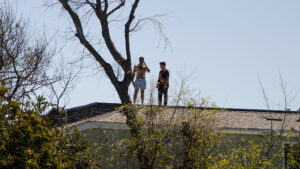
(135, 95)
(166, 96)
(159, 96)
(142, 96)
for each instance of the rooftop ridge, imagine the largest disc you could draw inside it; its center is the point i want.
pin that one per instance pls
(115, 105)
(238, 109)
(92, 104)
(96, 110)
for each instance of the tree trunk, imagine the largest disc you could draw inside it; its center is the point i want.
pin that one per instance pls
(123, 93)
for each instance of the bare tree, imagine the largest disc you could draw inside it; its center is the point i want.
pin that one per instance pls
(106, 11)
(24, 59)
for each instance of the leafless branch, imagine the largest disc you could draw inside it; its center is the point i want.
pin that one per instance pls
(26, 58)
(267, 103)
(68, 82)
(152, 19)
(278, 137)
(122, 3)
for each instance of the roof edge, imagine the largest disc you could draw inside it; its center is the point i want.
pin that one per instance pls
(188, 107)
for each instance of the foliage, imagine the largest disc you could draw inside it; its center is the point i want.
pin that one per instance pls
(185, 138)
(251, 154)
(199, 138)
(169, 138)
(28, 141)
(292, 153)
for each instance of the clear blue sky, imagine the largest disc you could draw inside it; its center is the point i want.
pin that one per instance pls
(224, 43)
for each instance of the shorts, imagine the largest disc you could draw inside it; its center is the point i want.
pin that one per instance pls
(140, 84)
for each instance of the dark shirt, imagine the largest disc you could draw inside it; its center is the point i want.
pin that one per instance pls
(163, 74)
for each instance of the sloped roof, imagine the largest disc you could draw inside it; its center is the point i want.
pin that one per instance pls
(80, 113)
(97, 114)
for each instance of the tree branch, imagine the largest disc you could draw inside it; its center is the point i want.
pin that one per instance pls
(122, 3)
(80, 35)
(105, 6)
(102, 16)
(127, 29)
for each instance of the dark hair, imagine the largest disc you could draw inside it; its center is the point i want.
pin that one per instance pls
(162, 63)
(141, 57)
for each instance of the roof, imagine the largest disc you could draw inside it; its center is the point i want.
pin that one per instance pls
(80, 113)
(102, 114)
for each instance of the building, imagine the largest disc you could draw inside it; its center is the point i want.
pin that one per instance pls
(249, 123)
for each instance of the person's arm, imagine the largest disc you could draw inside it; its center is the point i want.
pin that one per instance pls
(167, 79)
(147, 69)
(158, 80)
(133, 72)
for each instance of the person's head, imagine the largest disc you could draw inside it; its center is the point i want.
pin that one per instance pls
(141, 60)
(162, 65)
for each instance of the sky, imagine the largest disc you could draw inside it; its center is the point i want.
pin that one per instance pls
(220, 46)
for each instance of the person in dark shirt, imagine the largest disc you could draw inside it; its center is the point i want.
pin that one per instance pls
(163, 84)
